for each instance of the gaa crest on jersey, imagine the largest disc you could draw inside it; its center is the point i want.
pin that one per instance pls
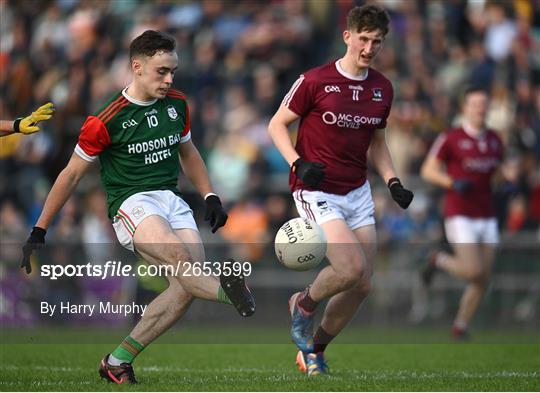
(377, 94)
(171, 111)
(332, 89)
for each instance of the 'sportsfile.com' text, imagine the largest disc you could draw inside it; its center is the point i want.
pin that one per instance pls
(119, 269)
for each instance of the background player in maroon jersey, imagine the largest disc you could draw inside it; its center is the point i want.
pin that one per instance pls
(342, 107)
(463, 161)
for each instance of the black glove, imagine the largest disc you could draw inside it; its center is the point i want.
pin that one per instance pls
(402, 196)
(311, 173)
(36, 240)
(215, 213)
(462, 186)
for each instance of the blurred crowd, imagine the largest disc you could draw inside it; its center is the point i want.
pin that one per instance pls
(237, 60)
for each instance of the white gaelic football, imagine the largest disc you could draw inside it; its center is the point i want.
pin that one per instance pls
(300, 244)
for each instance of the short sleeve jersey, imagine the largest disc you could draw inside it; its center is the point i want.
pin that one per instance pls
(137, 144)
(339, 114)
(472, 159)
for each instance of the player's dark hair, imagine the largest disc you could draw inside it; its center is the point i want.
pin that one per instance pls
(368, 17)
(150, 42)
(474, 89)
(471, 89)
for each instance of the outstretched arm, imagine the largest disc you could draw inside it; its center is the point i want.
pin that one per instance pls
(62, 189)
(28, 124)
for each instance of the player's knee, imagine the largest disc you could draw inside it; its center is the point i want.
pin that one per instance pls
(476, 275)
(351, 275)
(365, 287)
(177, 254)
(481, 278)
(362, 289)
(182, 297)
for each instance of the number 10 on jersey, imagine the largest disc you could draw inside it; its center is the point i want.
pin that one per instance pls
(152, 121)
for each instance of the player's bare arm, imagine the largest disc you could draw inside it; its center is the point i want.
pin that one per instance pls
(61, 190)
(279, 132)
(63, 187)
(194, 167)
(195, 170)
(433, 171)
(311, 173)
(6, 127)
(380, 155)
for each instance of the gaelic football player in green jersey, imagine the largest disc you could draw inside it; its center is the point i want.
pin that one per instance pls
(136, 137)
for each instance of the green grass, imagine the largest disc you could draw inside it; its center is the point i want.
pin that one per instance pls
(270, 367)
(251, 334)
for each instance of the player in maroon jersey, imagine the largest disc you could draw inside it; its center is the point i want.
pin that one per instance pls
(463, 161)
(343, 107)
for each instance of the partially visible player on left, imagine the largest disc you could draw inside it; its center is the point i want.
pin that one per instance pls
(28, 124)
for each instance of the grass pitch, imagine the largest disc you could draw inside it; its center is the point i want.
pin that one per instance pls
(270, 367)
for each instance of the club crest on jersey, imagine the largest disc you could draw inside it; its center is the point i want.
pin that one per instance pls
(377, 94)
(465, 144)
(138, 212)
(482, 145)
(171, 111)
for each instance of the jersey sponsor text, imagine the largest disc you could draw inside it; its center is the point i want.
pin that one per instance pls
(346, 120)
(158, 143)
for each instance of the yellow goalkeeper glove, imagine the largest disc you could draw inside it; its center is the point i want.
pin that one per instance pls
(28, 124)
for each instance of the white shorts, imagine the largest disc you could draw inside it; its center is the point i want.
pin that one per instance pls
(462, 229)
(356, 208)
(139, 206)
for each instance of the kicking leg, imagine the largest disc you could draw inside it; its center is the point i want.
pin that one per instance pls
(174, 248)
(155, 238)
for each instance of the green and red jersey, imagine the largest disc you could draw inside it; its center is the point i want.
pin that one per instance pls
(137, 144)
